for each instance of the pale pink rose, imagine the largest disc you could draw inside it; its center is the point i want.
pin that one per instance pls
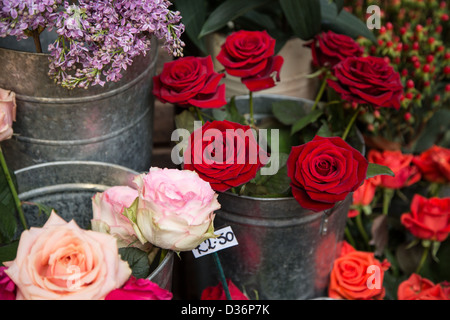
(7, 113)
(139, 289)
(176, 208)
(108, 207)
(61, 261)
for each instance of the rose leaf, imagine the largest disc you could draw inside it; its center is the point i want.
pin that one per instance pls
(376, 169)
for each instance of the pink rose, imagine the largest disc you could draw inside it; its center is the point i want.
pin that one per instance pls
(175, 209)
(7, 113)
(7, 286)
(139, 289)
(61, 261)
(108, 215)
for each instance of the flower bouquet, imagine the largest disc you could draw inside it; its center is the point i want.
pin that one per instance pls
(95, 41)
(96, 58)
(294, 152)
(134, 227)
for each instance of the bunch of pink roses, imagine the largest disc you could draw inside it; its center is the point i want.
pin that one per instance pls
(168, 209)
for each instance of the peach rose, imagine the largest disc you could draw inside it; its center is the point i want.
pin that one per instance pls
(7, 113)
(61, 261)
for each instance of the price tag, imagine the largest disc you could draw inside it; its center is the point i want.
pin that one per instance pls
(225, 239)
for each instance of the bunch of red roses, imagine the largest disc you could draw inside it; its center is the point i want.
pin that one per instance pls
(321, 172)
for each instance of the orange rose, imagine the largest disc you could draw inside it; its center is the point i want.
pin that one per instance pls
(61, 261)
(418, 288)
(357, 275)
(363, 196)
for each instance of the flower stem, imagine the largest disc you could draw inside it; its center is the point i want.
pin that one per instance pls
(350, 124)
(222, 275)
(361, 229)
(349, 237)
(199, 115)
(250, 101)
(387, 197)
(321, 91)
(13, 189)
(423, 259)
(37, 41)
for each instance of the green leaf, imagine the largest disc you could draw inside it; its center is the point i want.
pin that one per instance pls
(377, 169)
(8, 252)
(193, 14)
(339, 5)
(288, 112)
(230, 113)
(185, 120)
(228, 11)
(344, 22)
(308, 119)
(271, 185)
(303, 16)
(137, 260)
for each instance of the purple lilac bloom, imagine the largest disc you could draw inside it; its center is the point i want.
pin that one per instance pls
(20, 17)
(97, 40)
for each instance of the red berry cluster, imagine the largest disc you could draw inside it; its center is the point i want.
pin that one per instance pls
(412, 41)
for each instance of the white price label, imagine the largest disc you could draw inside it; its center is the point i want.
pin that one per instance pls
(225, 239)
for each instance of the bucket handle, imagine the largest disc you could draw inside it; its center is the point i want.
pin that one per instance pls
(324, 222)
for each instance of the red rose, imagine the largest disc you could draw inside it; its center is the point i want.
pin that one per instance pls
(429, 218)
(324, 171)
(363, 196)
(357, 275)
(329, 48)
(218, 293)
(367, 80)
(418, 288)
(139, 289)
(434, 164)
(249, 55)
(225, 154)
(190, 81)
(401, 165)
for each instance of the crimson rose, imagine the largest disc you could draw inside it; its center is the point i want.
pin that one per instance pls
(429, 218)
(225, 154)
(329, 48)
(190, 81)
(249, 55)
(367, 80)
(324, 171)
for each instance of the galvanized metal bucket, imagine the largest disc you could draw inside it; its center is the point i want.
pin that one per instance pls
(68, 187)
(285, 252)
(111, 124)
